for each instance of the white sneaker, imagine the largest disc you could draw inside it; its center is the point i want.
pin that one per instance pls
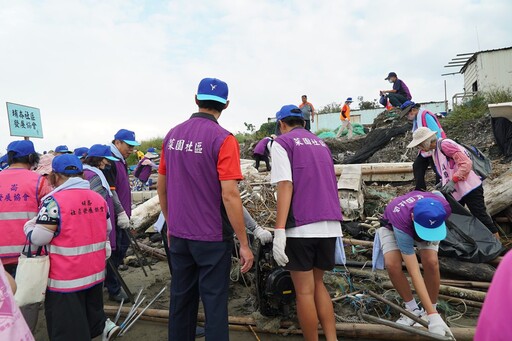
(409, 321)
(110, 331)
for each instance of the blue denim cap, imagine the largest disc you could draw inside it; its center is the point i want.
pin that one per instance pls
(67, 164)
(21, 148)
(212, 89)
(127, 136)
(81, 152)
(101, 150)
(429, 219)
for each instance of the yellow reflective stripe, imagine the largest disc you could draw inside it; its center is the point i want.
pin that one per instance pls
(75, 283)
(17, 215)
(76, 251)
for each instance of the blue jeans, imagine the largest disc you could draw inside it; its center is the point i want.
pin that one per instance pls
(199, 269)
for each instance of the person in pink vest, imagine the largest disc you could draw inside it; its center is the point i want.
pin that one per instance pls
(494, 320)
(74, 223)
(12, 323)
(456, 170)
(20, 192)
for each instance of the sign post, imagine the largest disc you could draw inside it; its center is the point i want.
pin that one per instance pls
(24, 121)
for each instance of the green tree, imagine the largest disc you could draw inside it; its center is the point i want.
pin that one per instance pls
(330, 108)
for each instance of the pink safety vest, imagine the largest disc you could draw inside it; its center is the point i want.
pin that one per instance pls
(447, 167)
(19, 202)
(12, 324)
(421, 121)
(77, 252)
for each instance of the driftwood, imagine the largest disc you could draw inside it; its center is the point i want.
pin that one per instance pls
(453, 292)
(454, 300)
(498, 193)
(153, 252)
(346, 330)
(387, 172)
(145, 214)
(466, 284)
(472, 271)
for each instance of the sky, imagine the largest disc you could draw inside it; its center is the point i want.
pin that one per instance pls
(94, 67)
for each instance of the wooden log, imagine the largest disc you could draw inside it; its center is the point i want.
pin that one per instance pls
(466, 284)
(498, 193)
(454, 300)
(357, 242)
(473, 271)
(153, 252)
(388, 172)
(346, 330)
(459, 293)
(145, 214)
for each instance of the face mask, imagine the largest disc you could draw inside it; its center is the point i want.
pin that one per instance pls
(107, 166)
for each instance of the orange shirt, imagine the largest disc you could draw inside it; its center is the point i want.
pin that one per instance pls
(228, 161)
(346, 109)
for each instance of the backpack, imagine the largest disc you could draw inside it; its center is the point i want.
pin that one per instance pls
(481, 163)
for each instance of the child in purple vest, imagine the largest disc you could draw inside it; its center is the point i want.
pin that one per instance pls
(414, 219)
(308, 218)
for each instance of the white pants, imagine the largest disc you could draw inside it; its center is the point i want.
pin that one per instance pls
(348, 125)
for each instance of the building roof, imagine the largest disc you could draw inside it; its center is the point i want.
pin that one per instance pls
(465, 59)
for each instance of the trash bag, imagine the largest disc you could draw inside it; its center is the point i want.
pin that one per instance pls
(502, 129)
(468, 239)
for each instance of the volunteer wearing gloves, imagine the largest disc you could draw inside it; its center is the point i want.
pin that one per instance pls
(73, 221)
(306, 229)
(259, 232)
(416, 218)
(117, 177)
(456, 170)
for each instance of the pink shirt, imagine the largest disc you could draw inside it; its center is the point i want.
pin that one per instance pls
(463, 162)
(494, 321)
(12, 324)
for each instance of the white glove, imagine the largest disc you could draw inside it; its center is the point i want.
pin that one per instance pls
(436, 325)
(30, 225)
(123, 221)
(263, 235)
(279, 246)
(108, 249)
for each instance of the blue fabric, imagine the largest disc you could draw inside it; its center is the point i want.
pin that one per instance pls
(377, 255)
(212, 89)
(339, 253)
(289, 110)
(404, 241)
(432, 125)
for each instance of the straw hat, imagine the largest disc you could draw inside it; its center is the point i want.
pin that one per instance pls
(420, 135)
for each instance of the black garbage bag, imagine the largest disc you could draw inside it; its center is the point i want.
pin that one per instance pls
(468, 239)
(502, 129)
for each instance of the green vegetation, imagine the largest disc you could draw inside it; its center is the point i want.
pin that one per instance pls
(144, 145)
(329, 108)
(476, 107)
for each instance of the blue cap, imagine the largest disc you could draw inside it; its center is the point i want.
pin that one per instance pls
(349, 99)
(63, 149)
(212, 89)
(81, 152)
(429, 219)
(127, 136)
(101, 150)
(407, 104)
(151, 150)
(289, 110)
(67, 164)
(21, 148)
(391, 74)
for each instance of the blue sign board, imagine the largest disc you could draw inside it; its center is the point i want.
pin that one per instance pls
(24, 121)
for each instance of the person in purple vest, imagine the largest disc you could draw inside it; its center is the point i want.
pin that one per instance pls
(306, 230)
(261, 152)
(400, 92)
(422, 118)
(457, 176)
(96, 160)
(414, 219)
(198, 191)
(117, 177)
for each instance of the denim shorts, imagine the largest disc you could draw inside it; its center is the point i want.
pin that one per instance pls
(399, 240)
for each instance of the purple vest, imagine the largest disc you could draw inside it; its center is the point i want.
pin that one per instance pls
(315, 191)
(194, 196)
(144, 172)
(398, 212)
(88, 175)
(261, 147)
(123, 189)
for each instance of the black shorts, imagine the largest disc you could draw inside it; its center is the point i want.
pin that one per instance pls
(304, 254)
